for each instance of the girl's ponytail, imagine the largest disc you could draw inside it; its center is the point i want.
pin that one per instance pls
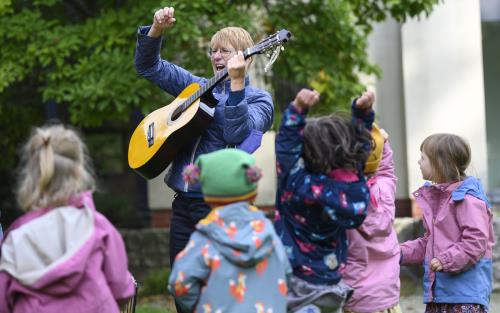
(46, 161)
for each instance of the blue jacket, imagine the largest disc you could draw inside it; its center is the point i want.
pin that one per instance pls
(234, 262)
(314, 210)
(239, 116)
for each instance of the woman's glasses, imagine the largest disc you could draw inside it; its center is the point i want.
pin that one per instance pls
(223, 52)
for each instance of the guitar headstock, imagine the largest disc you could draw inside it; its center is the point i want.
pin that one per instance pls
(270, 43)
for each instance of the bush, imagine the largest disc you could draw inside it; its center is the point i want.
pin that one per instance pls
(155, 283)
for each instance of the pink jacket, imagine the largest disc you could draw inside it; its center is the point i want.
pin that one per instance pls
(64, 259)
(373, 256)
(459, 233)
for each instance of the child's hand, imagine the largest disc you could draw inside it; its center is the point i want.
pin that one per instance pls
(365, 102)
(436, 265)
(306, 98)
(384, 134)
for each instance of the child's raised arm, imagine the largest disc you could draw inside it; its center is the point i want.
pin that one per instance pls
(362, 111)
(289, 140)
(380, 218)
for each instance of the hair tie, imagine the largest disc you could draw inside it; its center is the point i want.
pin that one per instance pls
(46, 141)
(253, 174)
(191, 174)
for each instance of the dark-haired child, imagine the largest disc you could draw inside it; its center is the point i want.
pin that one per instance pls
(322, 191)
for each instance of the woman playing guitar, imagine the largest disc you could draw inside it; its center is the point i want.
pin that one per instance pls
(241, 111)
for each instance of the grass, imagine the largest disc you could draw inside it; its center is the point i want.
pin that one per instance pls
(145, 308)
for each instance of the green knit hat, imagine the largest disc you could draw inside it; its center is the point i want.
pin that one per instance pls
(227, 175)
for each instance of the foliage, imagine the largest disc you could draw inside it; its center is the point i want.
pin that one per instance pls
(79, 54)
(150, 309)
(155, 283)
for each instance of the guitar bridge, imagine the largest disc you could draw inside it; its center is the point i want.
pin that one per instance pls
(150, 136)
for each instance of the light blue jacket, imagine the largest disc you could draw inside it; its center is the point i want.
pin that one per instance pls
(234, 262)
(239, 116)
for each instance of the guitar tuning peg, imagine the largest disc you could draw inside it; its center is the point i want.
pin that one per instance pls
(268, 55)
(282, 48)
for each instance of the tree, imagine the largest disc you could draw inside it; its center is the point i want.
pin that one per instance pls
(80, 53)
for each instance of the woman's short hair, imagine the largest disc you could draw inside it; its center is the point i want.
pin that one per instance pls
(237, 37)
(449, 156)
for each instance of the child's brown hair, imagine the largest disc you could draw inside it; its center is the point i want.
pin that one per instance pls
(449, 156)
(332, 142)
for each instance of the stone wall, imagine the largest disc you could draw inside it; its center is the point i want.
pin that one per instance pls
(147, 250)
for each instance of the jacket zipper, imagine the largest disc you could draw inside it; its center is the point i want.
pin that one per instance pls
(186, 184)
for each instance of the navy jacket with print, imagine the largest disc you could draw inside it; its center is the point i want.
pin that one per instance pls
(314, 210)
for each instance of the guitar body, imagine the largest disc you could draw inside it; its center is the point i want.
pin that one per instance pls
(161, 134)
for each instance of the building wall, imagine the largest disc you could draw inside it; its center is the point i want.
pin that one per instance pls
(432, 82)
(443, 82)
(385, 50)
(491, 48)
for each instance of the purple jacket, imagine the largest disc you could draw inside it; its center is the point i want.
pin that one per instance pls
(459, 233)
(373, 255)
(64, 259)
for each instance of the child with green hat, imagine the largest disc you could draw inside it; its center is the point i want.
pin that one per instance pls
(234, 261)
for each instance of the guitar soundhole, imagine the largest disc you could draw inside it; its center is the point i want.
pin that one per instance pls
(177, 113)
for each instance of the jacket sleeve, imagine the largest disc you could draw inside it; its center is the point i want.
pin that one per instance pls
(413, 252)
(191, 271)
(474, 219)
(6, 303)
(362, 120)
(243, 114)
(115, 263)
(382, 210)
(168, 76)
(289, 142)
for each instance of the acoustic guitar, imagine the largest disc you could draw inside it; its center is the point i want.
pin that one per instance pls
(163, 133)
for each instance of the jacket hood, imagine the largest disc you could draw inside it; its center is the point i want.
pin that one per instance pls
(471, 186)
(241, 233)
(40, 254)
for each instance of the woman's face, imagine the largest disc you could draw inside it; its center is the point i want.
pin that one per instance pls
(220, 56)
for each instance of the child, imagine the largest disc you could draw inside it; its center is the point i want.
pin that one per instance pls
(456, 250)
(62, 255)
(234, 261)
(373, 255)
(321, 193)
